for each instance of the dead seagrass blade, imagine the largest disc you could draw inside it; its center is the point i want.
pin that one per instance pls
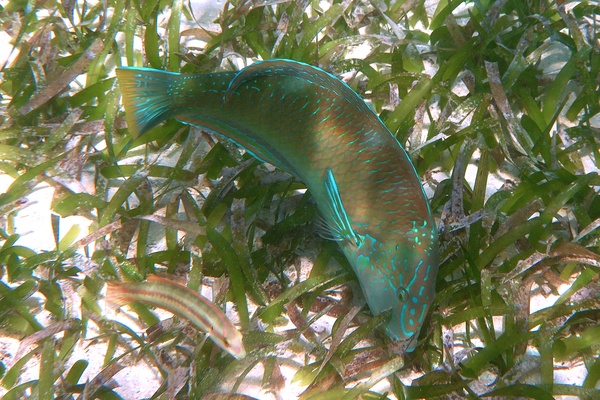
(186, 304)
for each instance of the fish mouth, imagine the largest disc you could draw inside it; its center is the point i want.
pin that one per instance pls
(401, 347)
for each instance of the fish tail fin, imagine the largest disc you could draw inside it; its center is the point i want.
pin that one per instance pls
(147, 96)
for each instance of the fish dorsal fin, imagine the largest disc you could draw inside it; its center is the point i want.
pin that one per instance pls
(335, 224)
(266, 69)
(306, 77)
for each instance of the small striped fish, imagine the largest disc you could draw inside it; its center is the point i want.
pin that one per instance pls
(186, 304)
(312, 125)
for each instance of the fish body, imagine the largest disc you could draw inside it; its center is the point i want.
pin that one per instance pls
(185, 303)
(312, 125)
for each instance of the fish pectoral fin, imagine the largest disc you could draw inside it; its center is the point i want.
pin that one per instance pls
(335, 224)
(325, 231)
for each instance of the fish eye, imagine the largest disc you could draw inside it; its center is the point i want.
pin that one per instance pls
(402, 294)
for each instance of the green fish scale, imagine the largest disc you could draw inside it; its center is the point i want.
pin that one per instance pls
(364, 161)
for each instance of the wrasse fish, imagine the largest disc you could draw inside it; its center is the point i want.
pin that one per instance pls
(312, 125)
(186, 304)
